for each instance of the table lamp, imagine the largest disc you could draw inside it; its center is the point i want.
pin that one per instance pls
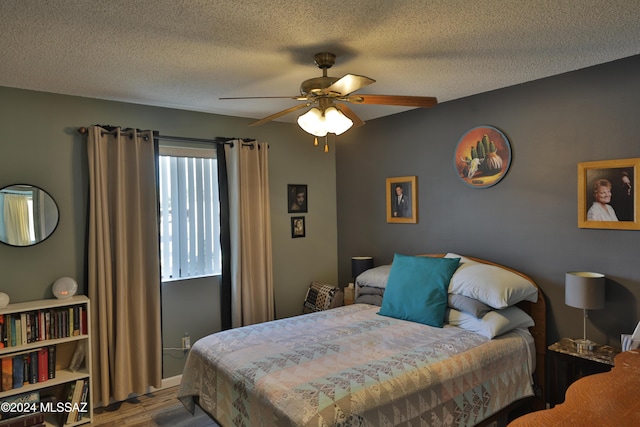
(584, 290)
(360, 264)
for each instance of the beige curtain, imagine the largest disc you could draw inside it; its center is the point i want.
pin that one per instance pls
(16, 219)
(124, 271)
(250, 230)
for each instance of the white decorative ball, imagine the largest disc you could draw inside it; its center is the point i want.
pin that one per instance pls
(4, 300)
(64, 287)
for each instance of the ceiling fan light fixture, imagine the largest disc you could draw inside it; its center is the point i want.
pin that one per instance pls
(336, 121)
(313, 122)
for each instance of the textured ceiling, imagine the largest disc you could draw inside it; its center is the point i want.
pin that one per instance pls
(186, 54)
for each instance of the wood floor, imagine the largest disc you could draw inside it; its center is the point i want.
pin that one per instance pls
(158, 409)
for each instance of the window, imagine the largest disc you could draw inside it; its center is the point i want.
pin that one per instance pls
(189, 213)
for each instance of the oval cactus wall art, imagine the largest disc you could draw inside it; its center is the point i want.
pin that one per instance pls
(482, 156)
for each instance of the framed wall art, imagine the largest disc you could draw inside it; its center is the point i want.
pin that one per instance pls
(297, 198)
(402, 200)
(482, 157)
(297, 226)
(608, 194)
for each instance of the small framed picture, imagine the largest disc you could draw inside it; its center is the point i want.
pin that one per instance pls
(297, 198)
(402, 200)
(297, 226)
(608, 194)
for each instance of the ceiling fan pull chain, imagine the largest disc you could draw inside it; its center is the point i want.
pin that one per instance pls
(315, 141)
(326, 143)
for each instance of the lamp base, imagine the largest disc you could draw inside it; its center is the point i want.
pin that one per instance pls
(584, 345)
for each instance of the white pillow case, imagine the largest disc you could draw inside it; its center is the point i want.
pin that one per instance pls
(374, 277)
(492, 324)
(492, 285)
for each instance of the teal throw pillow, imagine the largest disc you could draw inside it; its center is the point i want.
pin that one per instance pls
(417, 289)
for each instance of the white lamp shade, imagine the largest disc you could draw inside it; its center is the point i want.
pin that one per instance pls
(584, 290)
(336, 121)
(313, 122)
(64, 287)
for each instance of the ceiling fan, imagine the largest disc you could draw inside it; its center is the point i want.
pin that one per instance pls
(332, 94)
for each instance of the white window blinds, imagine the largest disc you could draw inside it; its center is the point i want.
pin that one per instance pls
(189, 213)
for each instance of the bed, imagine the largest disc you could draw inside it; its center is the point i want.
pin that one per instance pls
(359, 365)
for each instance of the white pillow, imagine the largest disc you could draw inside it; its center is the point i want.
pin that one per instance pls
(375, 277)
(492, 324)
(490, 284)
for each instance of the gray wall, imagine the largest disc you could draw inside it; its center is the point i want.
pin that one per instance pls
(528, 221)
(39, 145)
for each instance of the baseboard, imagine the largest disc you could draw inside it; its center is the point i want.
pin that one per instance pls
(166, 383)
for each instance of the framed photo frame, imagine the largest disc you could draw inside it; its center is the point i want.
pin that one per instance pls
(297, 198)
(297, 227)
(402, 200)
(608, 194)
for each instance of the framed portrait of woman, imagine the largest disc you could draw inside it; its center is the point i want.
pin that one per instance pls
(297, 198)
(608, 194)
(297, 227)
(402, 200)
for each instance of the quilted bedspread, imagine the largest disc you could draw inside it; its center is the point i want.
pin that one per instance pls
(350, 366)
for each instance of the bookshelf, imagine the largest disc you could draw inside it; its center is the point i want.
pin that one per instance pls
(55, 332)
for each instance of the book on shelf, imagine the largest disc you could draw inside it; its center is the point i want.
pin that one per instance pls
(43, 364)
(83, 322)
(7, 372)
(84, 399)
(33, 419)
(78, 356)
(12, 330)
(77, 319)
(2, 332)
(71, 387)
(47, 324)
(18, 370)
(33, 367)
(19, 340)
(73, 401)
(39, 325)
(25, 368)
(28, 325)
(52, 362)
(15, 401)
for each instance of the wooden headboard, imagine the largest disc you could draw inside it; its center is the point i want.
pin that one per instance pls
(538, 312)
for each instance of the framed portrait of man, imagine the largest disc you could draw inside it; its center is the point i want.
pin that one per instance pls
(402, 200)
(297, 198)
(608, 194)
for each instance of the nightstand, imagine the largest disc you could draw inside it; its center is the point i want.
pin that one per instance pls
(567, 365)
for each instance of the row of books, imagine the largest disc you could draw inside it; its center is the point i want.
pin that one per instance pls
(72, 408)
(39, 325)
(76, 402)
(12, 417)
(28, 367)
(35, 419)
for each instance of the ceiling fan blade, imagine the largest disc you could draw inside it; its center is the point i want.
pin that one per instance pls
(399, 100)
(347, 84)
(278, 114)
(357, 121)
(300, 98)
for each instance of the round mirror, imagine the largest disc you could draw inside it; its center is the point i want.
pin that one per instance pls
(28, 215)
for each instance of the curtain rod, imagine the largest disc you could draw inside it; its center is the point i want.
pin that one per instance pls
(84, 130)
